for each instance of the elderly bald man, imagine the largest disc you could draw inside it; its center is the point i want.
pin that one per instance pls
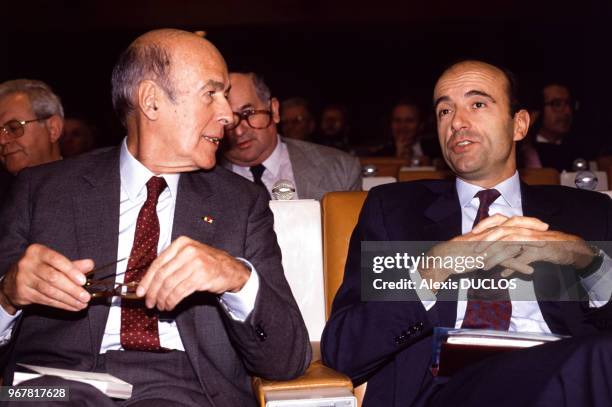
(195, 299)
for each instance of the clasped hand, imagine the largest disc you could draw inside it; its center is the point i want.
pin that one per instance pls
(514, 243)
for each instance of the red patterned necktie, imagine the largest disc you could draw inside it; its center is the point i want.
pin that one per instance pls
(487, 308)
(139, 329)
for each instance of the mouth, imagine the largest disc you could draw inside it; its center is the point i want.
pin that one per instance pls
(214, 140)
(462, 146)
(8, 153)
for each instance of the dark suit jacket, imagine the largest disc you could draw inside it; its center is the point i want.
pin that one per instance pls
(389, 344)
(5, 182)
(72, 206)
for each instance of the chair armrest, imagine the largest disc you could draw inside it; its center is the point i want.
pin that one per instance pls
(317, 376)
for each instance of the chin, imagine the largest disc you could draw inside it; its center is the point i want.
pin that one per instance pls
(206, 164)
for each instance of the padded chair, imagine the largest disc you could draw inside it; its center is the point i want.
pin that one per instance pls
(604, 163)
(340, 214)
(297, 225)
(539, 176)
(386, 166)
(413, 175)
(568, 179)
(368, 183)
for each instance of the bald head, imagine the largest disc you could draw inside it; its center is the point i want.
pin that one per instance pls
(501, 75)
(477, 127)
(152, 56)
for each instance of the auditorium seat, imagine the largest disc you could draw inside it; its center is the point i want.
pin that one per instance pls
(386, 166)
(340, 214)
(539, 176)
(297, 224)
(569, 179)
(368, 183)
(416, 174)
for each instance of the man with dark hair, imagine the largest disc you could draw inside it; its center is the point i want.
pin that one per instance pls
(553, 141)
(388, 344)
(297, 120)
(31, 121)
(255, 150)
(188, 298)
(334, 128)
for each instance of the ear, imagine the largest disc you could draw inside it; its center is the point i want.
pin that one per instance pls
(148, 102)
(275, 106)
(55, 126)
(521, 124)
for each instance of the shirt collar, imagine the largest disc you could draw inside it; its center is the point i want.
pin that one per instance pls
(273, 163)
(541, 139)
(134, 175)
(510, 190)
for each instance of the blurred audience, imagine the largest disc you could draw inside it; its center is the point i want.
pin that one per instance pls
(253, 148)
(406, 123)
(551, 142)
(79, 137)
(31, 122)
(334, 129)
(297, 120)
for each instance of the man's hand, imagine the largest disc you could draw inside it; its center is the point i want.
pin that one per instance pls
(487, 237)
(519, 241)
(44, 276)
(187, 266)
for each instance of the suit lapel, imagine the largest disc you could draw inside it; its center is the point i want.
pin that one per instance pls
(197, 207)
(562, 317)
(444, 223)
(304, 171)
(443, 216)
(538, 204)
(96, 216)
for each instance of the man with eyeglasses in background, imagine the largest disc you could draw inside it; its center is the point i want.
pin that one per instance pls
(553, 127)
(255, 150)
(297, 121)
(31, 123)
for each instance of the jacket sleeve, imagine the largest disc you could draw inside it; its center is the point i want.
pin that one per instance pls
(361, 337)
(273, 340)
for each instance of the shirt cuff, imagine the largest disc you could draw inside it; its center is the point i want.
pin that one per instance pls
(427, 297)
(599, 284)
(239, 305)
(7, 322)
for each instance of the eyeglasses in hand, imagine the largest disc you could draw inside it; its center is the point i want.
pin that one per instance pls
(103, 288)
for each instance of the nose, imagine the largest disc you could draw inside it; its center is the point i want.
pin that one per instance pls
(459, 120)
(224, 114)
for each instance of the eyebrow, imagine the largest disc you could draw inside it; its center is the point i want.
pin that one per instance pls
(468, 94)
(246, 106)
(216, 85)
(480, 93)
(440, 100)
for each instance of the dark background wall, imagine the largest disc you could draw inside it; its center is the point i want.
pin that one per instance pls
(365, 55)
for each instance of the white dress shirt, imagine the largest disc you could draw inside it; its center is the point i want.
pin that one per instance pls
(134, 177)
(526, 315)
(278, 166)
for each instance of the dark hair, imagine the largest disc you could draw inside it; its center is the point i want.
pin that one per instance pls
(296, 101)
(135, 64)
(408, 101)
(512, 90)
